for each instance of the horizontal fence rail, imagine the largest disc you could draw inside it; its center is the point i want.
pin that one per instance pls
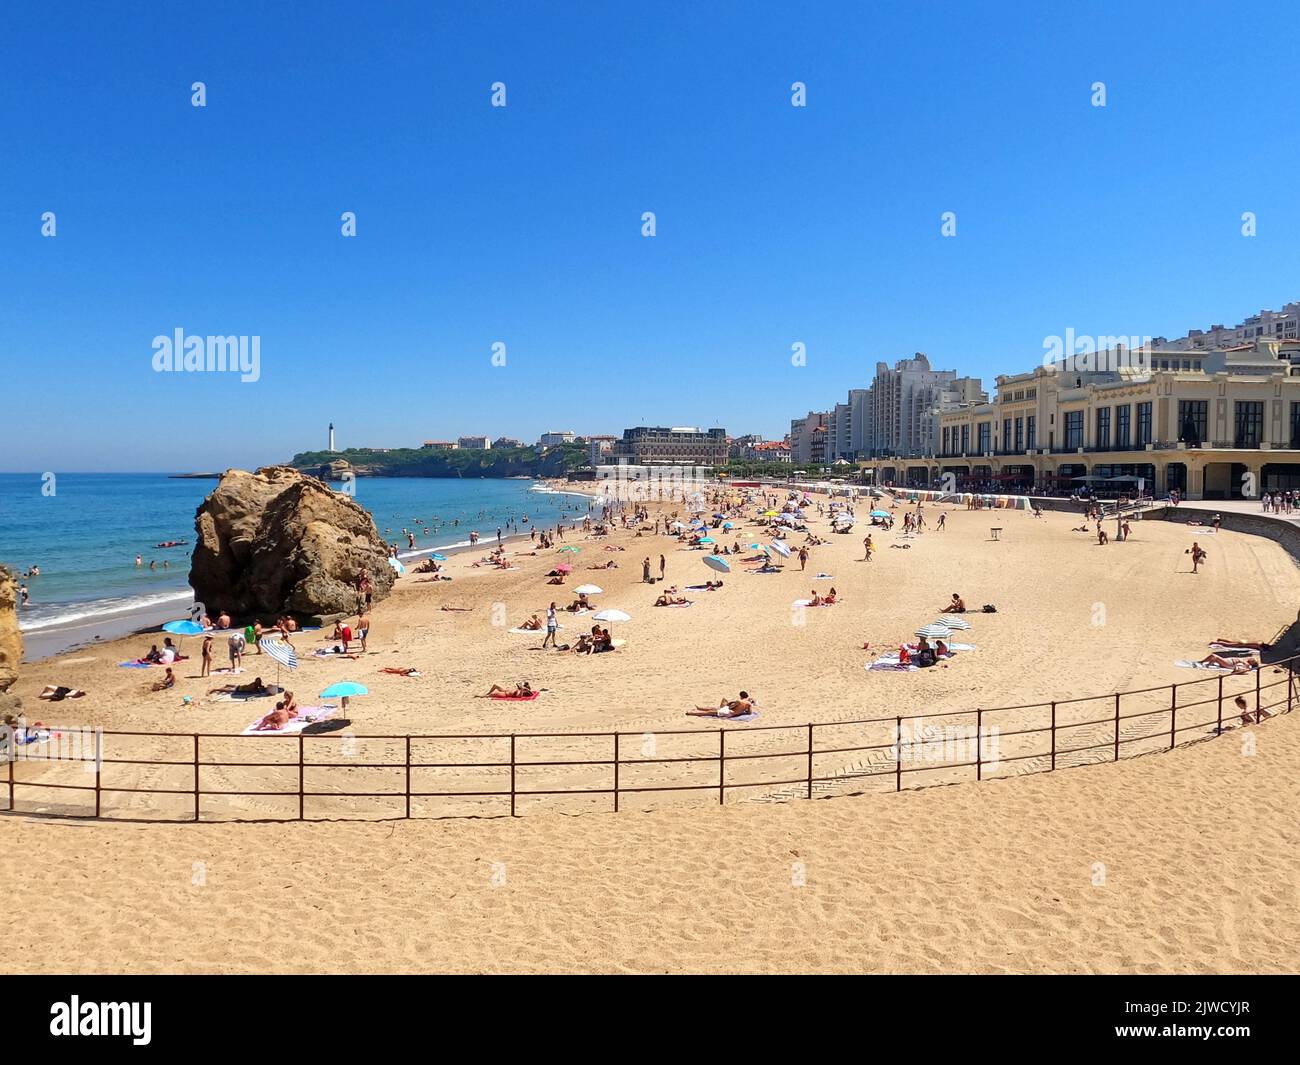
(188, 776)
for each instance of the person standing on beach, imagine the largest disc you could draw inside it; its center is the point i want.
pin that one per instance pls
(663, 565)
(363, 630)
(207, 656)
(866, 547)
(803, 557)
(498, 536)
(552, 624)
(235, 645)
(645, 571)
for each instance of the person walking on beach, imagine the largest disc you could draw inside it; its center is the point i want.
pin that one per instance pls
(943, 520)
(552, 623)
(803, 558)
(866, 547)
(1198, 555)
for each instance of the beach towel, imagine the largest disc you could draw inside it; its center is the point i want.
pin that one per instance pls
(750, 716)
(515, 698)
(961, 647)
(669, 605)
(1232, 652)
(306, 715)
(890, 661)
(134, 664)
(700, 588)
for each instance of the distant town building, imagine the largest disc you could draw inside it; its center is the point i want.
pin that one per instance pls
(551, 438)
(441, 445)
(660, 446)
(504, 443)
(475, 443)
(600, 448)
(1266, 325)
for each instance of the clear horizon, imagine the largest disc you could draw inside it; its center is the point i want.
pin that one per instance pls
(522, 225)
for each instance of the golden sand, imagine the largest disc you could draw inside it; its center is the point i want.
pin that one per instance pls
(1180, 861)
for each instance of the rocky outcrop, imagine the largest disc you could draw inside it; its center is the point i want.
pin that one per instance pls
(11, 643)
(277, 541)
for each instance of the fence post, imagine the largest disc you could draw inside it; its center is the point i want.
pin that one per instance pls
(1117, 726)
(810, 758)
(1219, 727)
(979, 742)
(616, 772)
(1290, 677)
(408, 776)
(1258, 718)
(301, 776)
(10, 755)
(1173, 715)
(1053, 733)
(512, 774)
(722, 767)
(898, 753)
(196, 777)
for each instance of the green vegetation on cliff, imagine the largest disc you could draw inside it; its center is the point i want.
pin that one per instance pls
(430, 462)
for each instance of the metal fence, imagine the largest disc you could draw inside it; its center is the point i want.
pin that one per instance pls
(198, 776)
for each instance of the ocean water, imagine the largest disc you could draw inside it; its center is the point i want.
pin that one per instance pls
(85, 535)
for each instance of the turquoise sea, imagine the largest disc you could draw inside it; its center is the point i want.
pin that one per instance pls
(85, 535)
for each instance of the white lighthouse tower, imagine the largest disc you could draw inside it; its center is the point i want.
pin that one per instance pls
(331, 447)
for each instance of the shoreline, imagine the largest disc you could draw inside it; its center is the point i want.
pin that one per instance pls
(55, 640)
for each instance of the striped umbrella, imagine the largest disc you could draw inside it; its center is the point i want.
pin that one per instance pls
(934, 632)
(954, 623)
(281, 652)
(780, 549)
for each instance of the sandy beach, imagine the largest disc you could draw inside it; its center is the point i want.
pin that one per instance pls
(980, 877)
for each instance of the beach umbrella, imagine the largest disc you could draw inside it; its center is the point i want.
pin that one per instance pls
(184, 627)
(934, 632)
(769, 513)
(728, 525)
(706, 540)
(571, 550)
(437, 557)
(611, 615)
(717, 562)
(397, 566)
(780, 549)
(563, 567)
(344, 690)
(588, 589)
(880, 513)
(280, 652)
(954, 623)
(677, 525)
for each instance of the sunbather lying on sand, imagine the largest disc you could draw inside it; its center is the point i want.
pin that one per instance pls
(672, 600)
(401, 671)
(581, 603)
(1224, 641)
(55, 693)
(253, 687)
(725, 708)
(1237, 665)
(520, 691)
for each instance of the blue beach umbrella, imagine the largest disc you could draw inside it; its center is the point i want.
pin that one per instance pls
(344, 687)
(880, 513)
(183, 628)
(397, 566)
(728, 525)
(706, 540)
(715, 562)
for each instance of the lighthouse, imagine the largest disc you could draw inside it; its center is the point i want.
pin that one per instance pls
(331, 447)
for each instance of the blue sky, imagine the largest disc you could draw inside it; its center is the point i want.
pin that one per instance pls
(522, 224)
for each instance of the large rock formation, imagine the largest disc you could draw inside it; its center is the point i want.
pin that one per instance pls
(11, 643)
(277, 541)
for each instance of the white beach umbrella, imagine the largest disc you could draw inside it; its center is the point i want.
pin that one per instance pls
(611, 615)
(934, 632)
(588, 589)
(780, 549)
